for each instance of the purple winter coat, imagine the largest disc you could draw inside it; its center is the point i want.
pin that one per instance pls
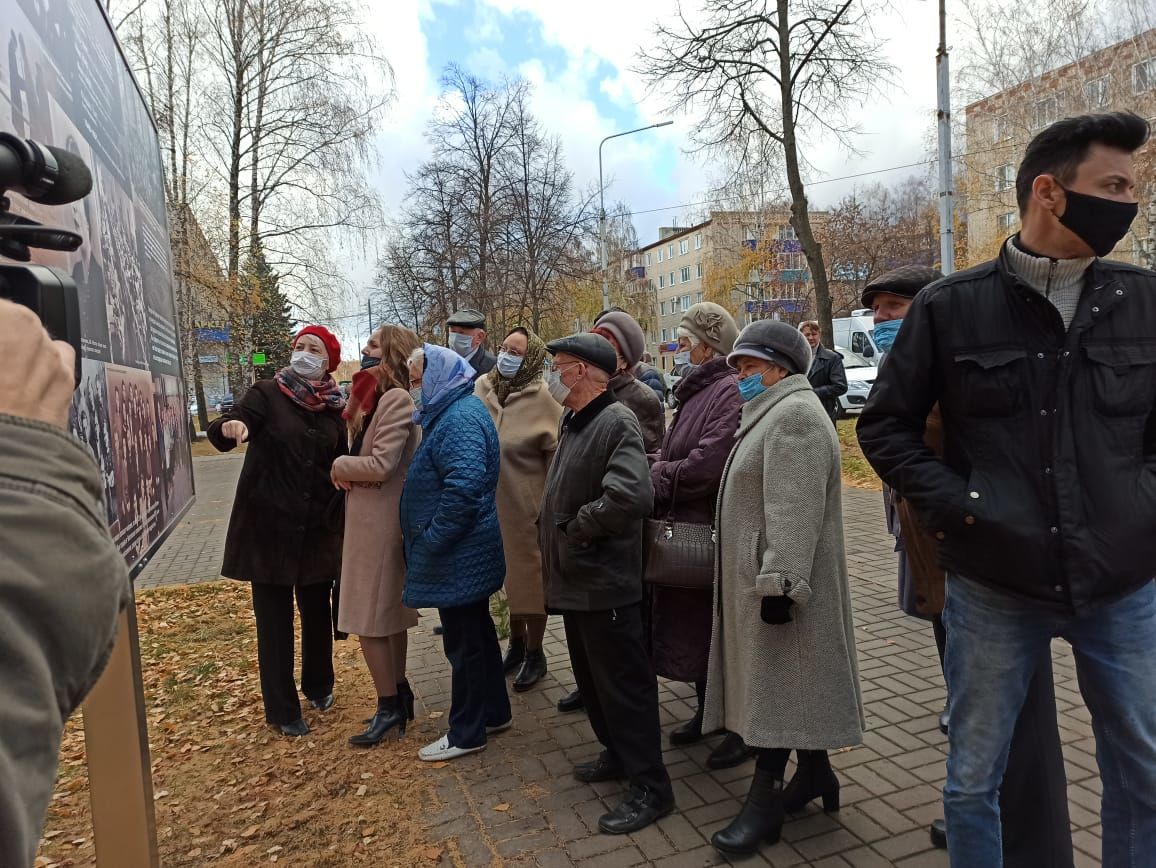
(696, 447)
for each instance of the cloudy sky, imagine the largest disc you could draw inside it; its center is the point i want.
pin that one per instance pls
(579, 57)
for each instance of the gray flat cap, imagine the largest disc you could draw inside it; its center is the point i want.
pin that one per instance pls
(590, 348)
(904, 281)
(776, 342)
(467, 318)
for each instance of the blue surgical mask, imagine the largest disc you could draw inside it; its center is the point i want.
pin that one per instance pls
(415, 395)
(461, 344)
(508, 365)
(682, 357)
(884, 334)
(751, 387)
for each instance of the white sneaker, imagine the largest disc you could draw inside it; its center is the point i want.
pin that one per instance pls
(443, 750)
(501, 727)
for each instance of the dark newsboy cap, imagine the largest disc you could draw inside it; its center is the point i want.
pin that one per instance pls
(467, 318)
(591, 348)
(905, 282)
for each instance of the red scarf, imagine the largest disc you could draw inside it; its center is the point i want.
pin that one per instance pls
(316, 397)
(363, 394)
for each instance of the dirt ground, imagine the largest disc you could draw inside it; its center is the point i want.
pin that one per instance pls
(856, 471)
(228, 790)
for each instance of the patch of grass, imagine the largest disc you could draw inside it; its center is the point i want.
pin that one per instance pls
(856, 471)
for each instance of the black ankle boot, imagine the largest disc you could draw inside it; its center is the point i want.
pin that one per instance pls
(533, 668)
(389, 714)
(405, 698)
(515, 654)
(759, 821)
(813, 778)
(731, 751)
(689, 732)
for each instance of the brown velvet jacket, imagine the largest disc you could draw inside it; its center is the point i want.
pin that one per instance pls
(921, 546)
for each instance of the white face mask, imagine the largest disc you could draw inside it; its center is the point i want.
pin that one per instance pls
(415, 393)
(682, 357)
(509, 365)
(309, 365)
(461, 344)
(559, 391)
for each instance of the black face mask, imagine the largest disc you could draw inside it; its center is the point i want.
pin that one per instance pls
(369, 362)
(1097, 221)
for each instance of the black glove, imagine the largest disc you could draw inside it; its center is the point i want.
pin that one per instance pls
(776, 610)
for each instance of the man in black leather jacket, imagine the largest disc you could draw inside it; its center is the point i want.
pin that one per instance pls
(826, 373)
(1043, 363)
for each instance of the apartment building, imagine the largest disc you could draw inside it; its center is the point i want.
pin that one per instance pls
(998, 128)
(749, 261)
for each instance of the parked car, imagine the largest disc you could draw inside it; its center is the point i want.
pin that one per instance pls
(225, 404)
(860, 378)
(857, 332)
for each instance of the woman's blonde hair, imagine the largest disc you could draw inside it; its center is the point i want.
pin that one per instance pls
(397, 344)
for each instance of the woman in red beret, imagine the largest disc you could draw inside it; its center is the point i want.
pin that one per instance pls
(285, 531)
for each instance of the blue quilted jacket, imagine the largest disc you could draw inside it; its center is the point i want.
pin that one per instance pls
(449, 516)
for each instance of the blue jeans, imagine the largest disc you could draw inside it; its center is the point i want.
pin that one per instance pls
(995, 642)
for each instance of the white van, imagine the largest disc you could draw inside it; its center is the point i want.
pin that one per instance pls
(855, 333)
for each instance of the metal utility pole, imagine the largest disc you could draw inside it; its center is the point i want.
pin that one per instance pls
(602, 208)
(946, 195)
(369, 307)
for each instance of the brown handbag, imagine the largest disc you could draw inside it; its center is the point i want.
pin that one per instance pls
(678, 554)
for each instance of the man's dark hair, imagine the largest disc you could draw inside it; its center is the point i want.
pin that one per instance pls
(1059, 149)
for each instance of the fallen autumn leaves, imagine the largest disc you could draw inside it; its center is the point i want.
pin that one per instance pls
(228, 791)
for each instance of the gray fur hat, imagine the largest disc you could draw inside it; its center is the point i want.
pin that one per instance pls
(776, 342)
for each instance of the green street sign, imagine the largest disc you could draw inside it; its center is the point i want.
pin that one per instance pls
(259, 358)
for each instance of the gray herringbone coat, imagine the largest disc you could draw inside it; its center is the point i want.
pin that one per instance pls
(780, 526)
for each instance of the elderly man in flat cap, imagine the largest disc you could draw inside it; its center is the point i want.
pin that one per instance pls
(467, 338)
(598, 493)
(1033, 794)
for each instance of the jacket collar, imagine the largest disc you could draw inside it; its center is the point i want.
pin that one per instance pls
(755, 409)
(702, 376)
(577, 421)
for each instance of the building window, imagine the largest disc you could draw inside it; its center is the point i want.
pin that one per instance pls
(1046, 112)
(664, 333)
(685, 273)
(660, 254)
(647, 261)
(1005, 177)
(1144, 75)
(698, 241)
(787, 233)
(672, 278)
(698, 269)
(661, 281)
(662, 310)
(670, 250)
(999, 129)
(698, 297)
(683, 247)
(1096, 92)
(1007, 222)
(685, 301)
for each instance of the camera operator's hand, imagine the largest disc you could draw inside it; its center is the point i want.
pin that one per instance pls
(36, 382)
(236, 430)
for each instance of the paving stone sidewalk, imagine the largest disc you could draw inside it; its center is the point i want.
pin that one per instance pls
(891, 784)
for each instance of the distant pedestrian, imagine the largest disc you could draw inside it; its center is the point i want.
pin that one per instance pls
(590, 532)
(1044, 501)
(466, 334)
(783, 668)
(382, 437)
(453, 544)
(826, 374)
(285, 531)
(527, 418)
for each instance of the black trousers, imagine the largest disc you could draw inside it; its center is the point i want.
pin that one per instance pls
(478, 696)
(1033, 797)
(273, 608)
(615, 676)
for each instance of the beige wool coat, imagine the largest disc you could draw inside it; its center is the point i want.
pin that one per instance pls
(372, 561)
(780, 531)
(527, 435)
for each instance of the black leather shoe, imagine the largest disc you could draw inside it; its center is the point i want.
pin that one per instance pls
(760, 821)
(601, 769)
(323, 704)
(813, 779)
(732, 751)
(939, 834)
(515, 654)
(296, 729)
(641, 807)
(533, 668)
(944, 721)
(389, 714)
(571, 702)
(689, 732)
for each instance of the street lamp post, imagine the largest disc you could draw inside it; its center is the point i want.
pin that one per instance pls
(602, 208)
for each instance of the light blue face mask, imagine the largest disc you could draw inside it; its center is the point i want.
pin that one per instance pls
(461, 344)
(682, 357)
(884, 334)
(508, 365)
(751, 387)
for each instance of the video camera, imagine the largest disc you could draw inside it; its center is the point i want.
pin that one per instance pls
(49, 176)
